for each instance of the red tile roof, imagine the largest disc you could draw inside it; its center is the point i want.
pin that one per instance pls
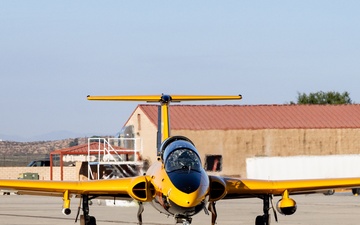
(234, 117)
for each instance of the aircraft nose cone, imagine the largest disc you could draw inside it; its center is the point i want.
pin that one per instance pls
(187, 182)
(188, 201)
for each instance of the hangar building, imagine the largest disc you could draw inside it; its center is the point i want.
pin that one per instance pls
(226, 135)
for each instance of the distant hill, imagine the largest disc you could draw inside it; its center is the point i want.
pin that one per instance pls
(36, 147)
(51, 136)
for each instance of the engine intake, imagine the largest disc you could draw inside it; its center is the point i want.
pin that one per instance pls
(217, 188)
(142, 189)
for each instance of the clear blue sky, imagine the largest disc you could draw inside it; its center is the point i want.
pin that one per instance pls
(54, 53)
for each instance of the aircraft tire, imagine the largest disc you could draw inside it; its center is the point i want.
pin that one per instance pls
(261, 220)
(92, 220)
(355, 191)
(329, 192)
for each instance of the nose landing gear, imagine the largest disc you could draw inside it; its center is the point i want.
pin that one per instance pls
(184, 220)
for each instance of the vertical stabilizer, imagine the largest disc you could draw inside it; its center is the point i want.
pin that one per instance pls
(158, 134)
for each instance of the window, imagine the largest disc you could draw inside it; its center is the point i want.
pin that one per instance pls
(213, 163)
(182, 159)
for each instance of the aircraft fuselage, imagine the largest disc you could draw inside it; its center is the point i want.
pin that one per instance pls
(181, 184)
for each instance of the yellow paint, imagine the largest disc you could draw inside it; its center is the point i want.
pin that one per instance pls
(164, 187)
(66, 199)
(165, 123)
(286, 201)
(157, 98)
(249, 186)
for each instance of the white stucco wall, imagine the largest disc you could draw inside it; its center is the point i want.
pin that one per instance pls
(303, 167)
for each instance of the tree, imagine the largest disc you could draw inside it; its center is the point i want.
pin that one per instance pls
(75, 142)
(322, 98)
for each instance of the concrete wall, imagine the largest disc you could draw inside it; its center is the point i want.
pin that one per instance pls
(70, 173)
(237, 145)
(145, 130)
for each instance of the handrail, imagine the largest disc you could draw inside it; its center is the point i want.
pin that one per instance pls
(113, 151)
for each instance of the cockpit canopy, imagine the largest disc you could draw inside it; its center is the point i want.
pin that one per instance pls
(182, 159)
(179, 153)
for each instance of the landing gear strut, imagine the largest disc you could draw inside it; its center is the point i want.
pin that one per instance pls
(212, 209)
(85, 218)
(264, 219)
(140, 211)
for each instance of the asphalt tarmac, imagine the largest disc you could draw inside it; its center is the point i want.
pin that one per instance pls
(316, 209)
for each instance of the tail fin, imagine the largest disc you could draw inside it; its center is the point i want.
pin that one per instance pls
(164, 100)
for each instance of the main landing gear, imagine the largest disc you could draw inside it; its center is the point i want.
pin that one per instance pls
(265, 219)
(139, 213)
(212, 209)
(260, 220)
(85, 218)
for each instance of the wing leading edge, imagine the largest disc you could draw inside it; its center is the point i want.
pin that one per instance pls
(237, 188)
(111, 187)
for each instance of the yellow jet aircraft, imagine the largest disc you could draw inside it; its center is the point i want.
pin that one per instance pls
(176, 184)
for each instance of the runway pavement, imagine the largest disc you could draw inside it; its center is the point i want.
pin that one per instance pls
(317, 209)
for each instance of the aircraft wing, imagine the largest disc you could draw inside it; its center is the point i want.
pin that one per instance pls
(122, 187)
(240, 188)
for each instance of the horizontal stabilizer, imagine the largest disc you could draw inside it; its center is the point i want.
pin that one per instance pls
(164, 98)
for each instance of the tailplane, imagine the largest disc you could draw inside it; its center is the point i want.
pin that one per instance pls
(163, 112)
